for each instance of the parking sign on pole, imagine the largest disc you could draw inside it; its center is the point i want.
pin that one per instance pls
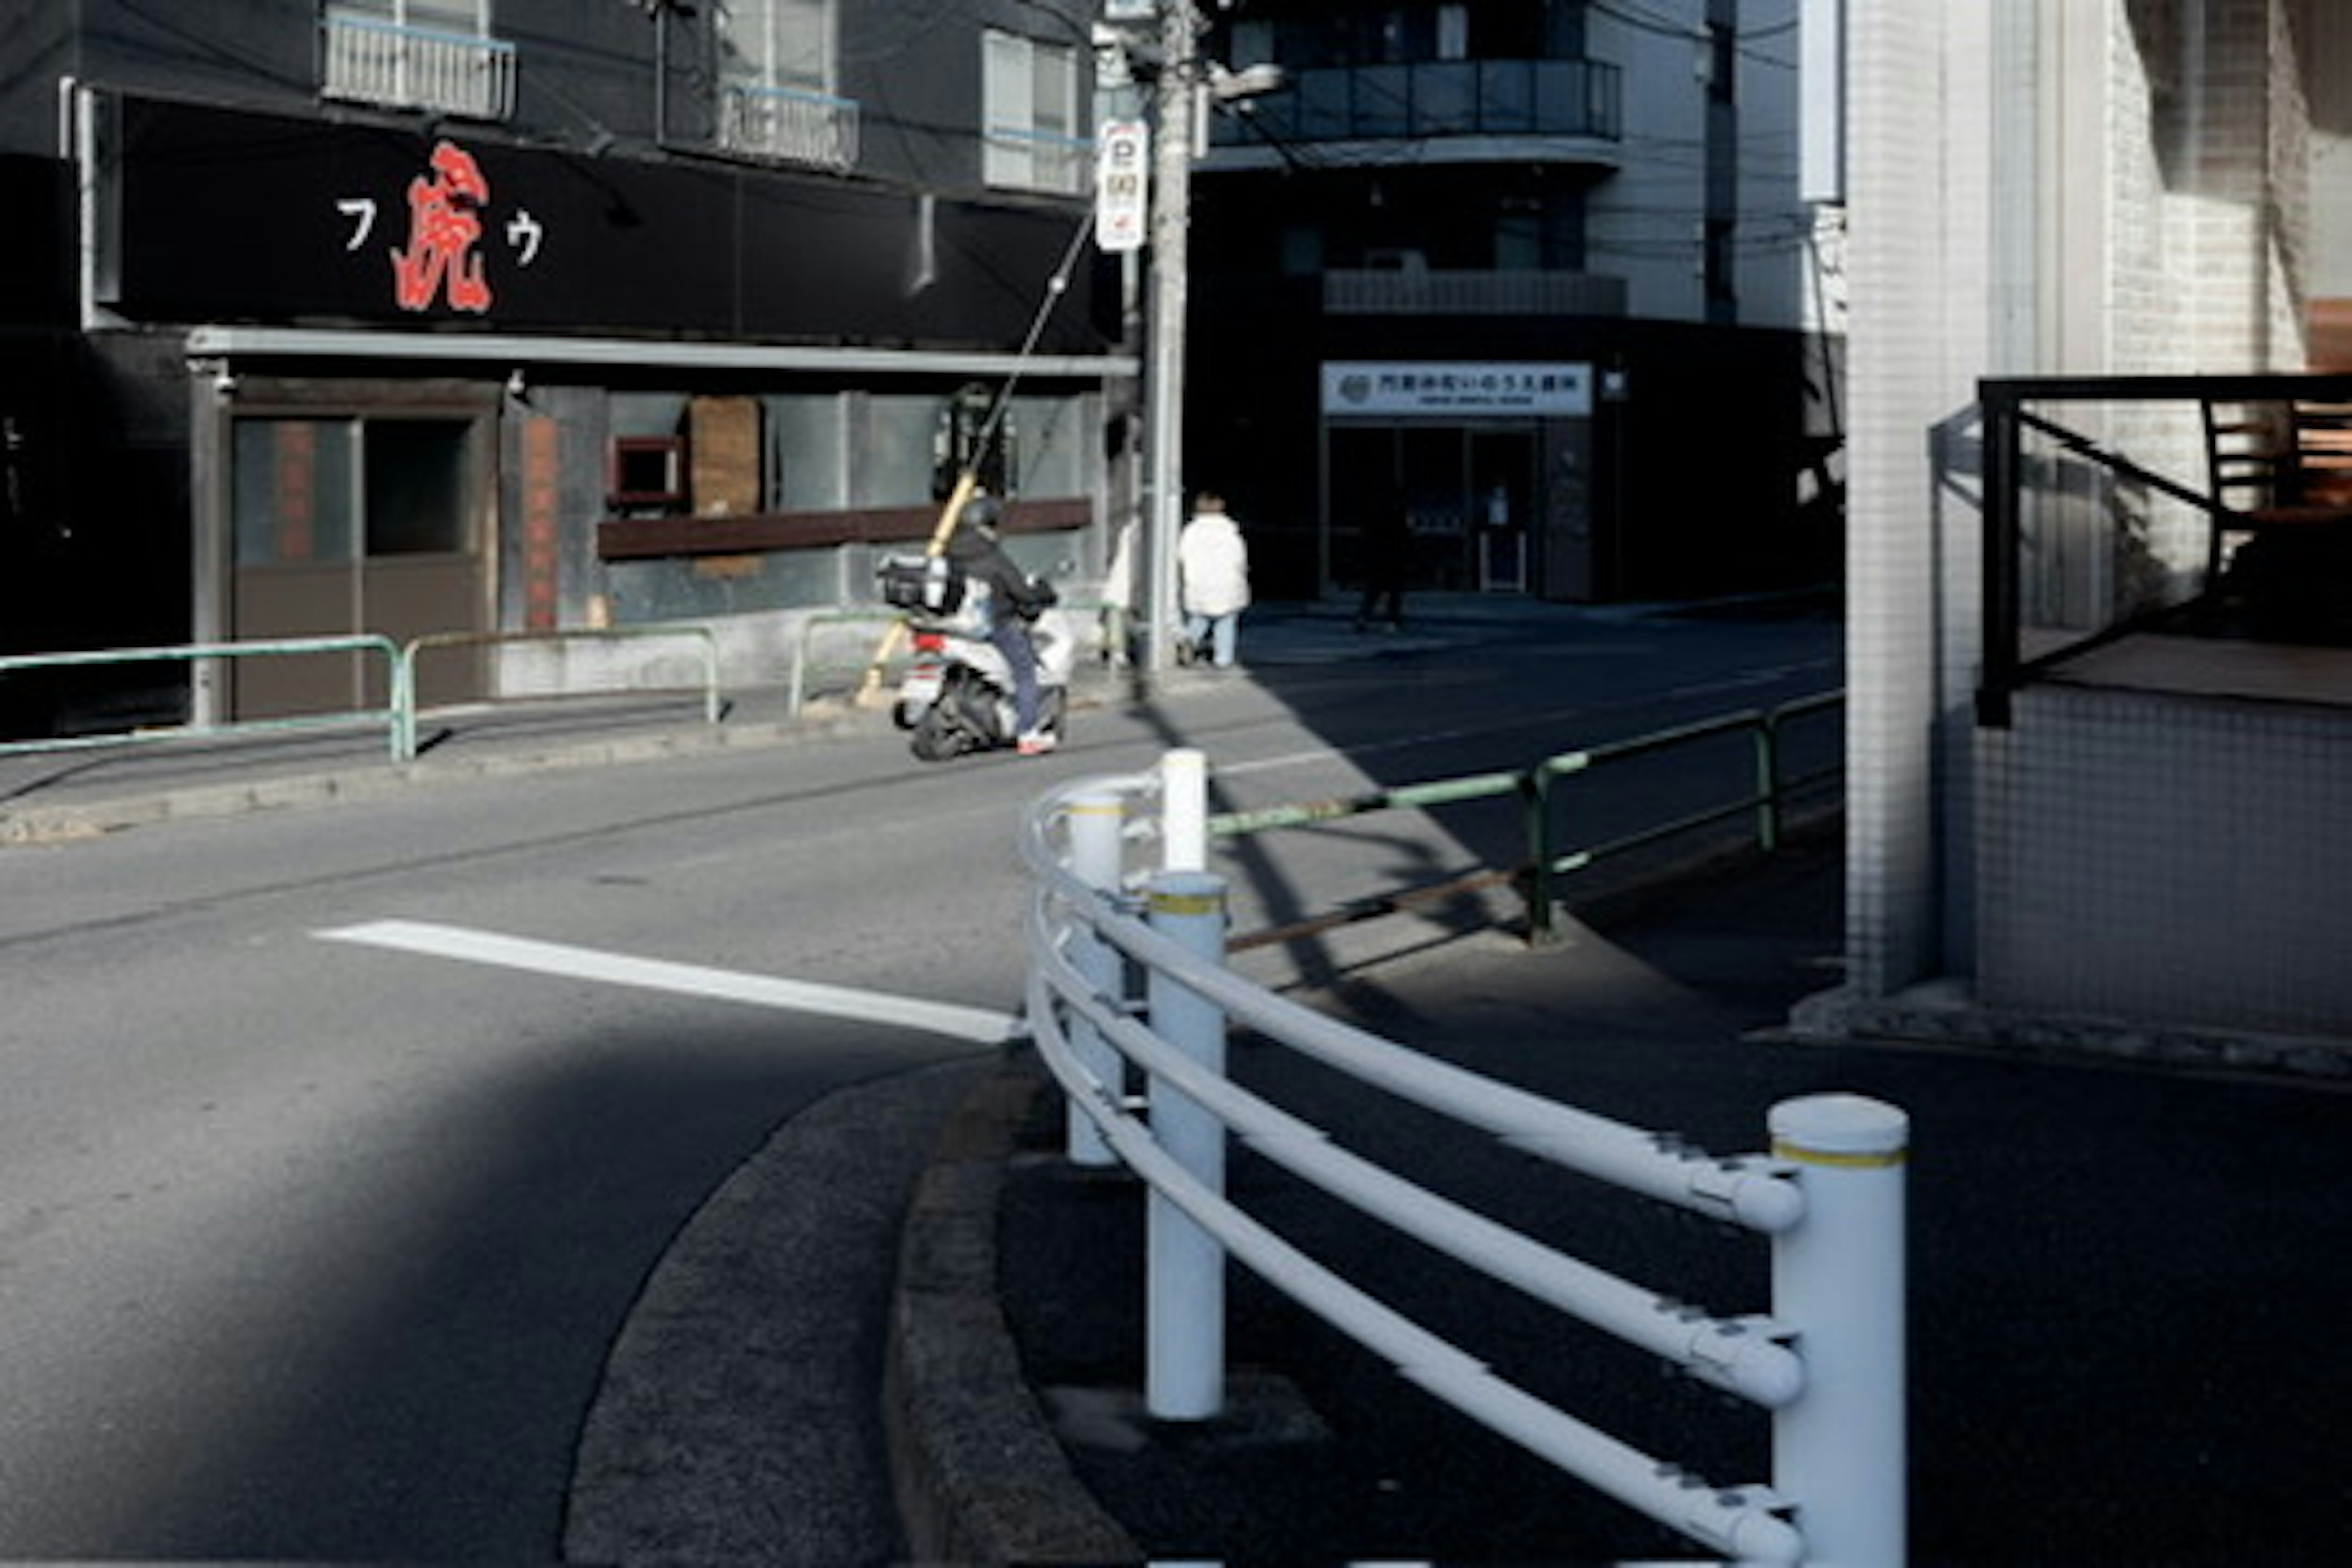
(1122, 164)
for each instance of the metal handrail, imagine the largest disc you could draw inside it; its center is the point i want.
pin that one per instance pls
(391, 716)
(1838, 1433)
(713, 699)
(1536, 786)
(2005, 420)
(399, 714)
(796, 695)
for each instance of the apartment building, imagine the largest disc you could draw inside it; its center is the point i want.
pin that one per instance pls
(490, 317)
(1543, 269)
(2100, 760)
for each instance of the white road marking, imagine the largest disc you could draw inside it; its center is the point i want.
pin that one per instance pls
(687, 979)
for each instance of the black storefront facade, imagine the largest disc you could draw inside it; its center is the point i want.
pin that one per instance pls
(417, 380)
(1587, 458)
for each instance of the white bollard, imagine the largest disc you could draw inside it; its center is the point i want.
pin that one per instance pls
(1184, 1283)
(1096, 823)
(1839, 1448)
(1184, 811)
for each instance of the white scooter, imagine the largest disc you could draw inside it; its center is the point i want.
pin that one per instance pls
(957, 693)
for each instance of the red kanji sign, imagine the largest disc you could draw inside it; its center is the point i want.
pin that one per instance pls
(443, 224)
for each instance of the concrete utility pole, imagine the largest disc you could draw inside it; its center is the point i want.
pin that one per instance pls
(1174, 95)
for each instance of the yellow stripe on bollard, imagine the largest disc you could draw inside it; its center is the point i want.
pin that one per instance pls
(1164, 902)
(1796, 1153)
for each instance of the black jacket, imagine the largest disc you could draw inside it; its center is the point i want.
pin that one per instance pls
(978, 556)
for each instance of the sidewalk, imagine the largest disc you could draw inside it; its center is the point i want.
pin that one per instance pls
(2120, 1278)
(62, 795)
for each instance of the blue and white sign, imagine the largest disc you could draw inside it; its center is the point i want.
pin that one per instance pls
(1444, 389)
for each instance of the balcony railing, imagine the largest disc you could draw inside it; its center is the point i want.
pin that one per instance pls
(372, 61)
(2110, 510)
(1578, 99)
(1418, 291)
(795, 125)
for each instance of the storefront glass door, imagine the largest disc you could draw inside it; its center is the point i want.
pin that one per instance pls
(1469, 491)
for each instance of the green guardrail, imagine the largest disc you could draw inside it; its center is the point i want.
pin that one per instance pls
(714, 706)
(396, 716)
(1536, 787)
(804, 652)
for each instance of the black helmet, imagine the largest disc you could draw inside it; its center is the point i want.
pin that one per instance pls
(982, 513)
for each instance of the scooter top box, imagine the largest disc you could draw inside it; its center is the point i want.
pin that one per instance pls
(931, 583)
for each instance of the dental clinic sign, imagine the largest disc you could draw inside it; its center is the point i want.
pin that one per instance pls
(1433, 389)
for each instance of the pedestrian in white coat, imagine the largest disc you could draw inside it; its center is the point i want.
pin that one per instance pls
(1213, 562)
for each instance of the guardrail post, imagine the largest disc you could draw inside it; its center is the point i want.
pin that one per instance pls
(714, 703)
(1838, 1449)
(796, 693)
(1767, 780)
(1096, 828)
(1184, 1312)
(403, 704)
(1536, 794)
(1184, 810)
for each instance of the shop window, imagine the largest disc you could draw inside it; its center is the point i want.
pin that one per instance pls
(416, 485)
(647, 473)
(291, 494)
(776, 80)
(1029, 111)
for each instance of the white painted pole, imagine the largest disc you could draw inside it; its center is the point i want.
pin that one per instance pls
(1184, 1286)
(1839, 1450)
(1184, 810)
(1097, 826)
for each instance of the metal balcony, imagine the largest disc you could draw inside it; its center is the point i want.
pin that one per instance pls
(367, 61)
(790, 125)
(1580, 100)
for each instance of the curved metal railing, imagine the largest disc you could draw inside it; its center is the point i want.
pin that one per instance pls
(1829, 1194)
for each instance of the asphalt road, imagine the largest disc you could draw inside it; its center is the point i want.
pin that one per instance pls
(313, 1245)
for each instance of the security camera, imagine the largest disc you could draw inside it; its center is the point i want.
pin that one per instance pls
(1250, 81)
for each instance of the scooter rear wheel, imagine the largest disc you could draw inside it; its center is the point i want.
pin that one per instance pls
(937, 737)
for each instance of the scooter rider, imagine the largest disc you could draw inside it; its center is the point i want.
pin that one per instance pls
(1014, 599)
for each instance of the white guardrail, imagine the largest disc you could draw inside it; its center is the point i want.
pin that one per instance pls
(1828, 1362)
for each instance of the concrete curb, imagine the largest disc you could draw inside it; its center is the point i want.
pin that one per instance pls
(735, 1418)
(67, 822)
(979, 1475)
(1937, 1016)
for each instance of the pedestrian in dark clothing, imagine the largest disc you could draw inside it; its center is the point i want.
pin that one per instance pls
(1388, 547)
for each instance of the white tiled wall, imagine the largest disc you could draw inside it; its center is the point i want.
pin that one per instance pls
(2076, 862)
(2169, 859)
